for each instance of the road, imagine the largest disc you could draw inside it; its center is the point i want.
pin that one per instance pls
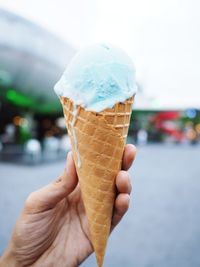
(162, 227)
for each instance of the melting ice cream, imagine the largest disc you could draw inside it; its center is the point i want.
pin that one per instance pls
(98, 77)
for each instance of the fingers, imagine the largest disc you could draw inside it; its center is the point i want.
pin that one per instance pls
(128, 157)
(124, 188)
(48, 196)
(121, 206)
(123, 182)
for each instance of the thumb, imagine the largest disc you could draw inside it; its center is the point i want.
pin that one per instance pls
(47, 197)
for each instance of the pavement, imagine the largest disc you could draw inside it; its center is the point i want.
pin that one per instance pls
(162, 227)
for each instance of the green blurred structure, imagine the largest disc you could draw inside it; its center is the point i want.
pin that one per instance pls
(31, 61)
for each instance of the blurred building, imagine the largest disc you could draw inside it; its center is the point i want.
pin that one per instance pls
(31, 61)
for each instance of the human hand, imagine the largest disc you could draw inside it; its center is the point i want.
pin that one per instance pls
(53, 229)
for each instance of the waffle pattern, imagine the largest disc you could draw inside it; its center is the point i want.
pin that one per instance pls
(119, 117)
(100, 139)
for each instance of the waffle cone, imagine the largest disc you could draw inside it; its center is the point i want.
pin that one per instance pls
(98, 141)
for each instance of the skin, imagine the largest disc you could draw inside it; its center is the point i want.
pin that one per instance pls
(53, 229)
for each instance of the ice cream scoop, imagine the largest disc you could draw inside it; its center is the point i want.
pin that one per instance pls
(98, 77)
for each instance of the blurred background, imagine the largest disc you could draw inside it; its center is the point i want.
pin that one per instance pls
(37, 40)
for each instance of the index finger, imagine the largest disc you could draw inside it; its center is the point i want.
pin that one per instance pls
(128, 156)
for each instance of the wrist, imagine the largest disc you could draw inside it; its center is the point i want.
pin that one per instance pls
(8, 259)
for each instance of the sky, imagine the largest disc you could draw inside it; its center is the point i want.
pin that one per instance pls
(161, 36)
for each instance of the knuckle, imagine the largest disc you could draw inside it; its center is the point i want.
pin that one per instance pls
(122, 174)
(30, 200)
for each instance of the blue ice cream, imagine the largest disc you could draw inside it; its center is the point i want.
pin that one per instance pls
(98, 77)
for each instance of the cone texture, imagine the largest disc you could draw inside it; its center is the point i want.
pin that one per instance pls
(98, 141)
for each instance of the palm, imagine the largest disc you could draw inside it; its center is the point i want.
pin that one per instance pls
(57, 233)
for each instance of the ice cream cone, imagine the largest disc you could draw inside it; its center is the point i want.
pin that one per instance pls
(98, 141)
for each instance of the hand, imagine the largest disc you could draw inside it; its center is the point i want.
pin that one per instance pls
(53, 229)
